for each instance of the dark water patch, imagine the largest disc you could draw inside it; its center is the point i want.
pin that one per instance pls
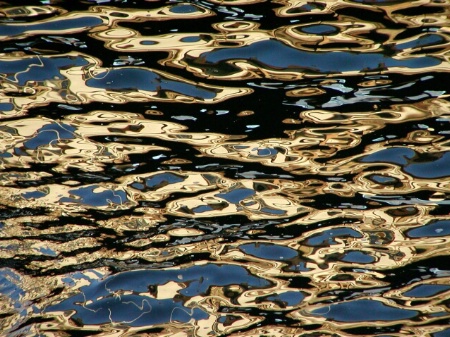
(269, 251)
(306, 8)
(435, 228)
(371, 13)
(364, 311)
(10, 212)
(67, 237)
(297, 282)
(395, 155)
(358, 257)
(328, 236)
(38, 69)
(421, 165)
(315, 62)
(34, 195)
(431, 268)
(148, 43)
(50, 133)
(88, 196)
(442, 333)
(158, 181)
(134, 309)
(422, 41)
(423, 10)
(289, 298)
(319, 29)
(426, 290)
(6, 106)
(236, 195)
(334, 199)
(385, 180)
(139, 79)
(56, 26)
(184, 8)
(382, 331)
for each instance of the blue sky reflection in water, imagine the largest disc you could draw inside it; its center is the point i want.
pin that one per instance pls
(224, 168)
(363, 311)
(436, 165)
(125, 297)
(275, 54)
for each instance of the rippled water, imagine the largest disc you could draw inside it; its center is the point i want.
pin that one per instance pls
(225, 168)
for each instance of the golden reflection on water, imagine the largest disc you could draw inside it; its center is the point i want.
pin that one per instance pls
(282, 177)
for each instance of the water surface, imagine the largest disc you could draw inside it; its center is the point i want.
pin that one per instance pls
(224, 168)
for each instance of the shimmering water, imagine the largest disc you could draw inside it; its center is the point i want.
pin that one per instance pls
(225, 168)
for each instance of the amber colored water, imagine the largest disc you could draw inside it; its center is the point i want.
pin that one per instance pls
(225, 168)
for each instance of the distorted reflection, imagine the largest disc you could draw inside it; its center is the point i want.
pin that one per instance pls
(224, 168)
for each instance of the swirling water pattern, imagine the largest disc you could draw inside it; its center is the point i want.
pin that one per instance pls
(225, 168)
